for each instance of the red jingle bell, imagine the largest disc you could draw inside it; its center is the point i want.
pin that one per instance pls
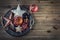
(33, 8)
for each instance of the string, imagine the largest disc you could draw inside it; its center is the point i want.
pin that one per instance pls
(19, 1)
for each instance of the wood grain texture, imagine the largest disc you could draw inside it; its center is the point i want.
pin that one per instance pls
(46, 18)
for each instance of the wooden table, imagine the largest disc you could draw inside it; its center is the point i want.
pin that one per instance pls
(47, 20)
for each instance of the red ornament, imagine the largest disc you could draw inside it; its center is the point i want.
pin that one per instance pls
(25, 23)
(33, 8)
(18, 21)
(24, 26)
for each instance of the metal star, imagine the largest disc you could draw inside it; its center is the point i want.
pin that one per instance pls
(18, 11)
(8, 21)
(19, 29)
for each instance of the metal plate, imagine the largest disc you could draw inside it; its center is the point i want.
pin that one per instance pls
(30, 23)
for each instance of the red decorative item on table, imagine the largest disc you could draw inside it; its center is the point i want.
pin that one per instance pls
(33, 8)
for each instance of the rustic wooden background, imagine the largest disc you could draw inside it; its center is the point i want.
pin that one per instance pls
(47, 20)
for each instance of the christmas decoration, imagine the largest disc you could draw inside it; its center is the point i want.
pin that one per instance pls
(8, 20)
(33, 8)
(17, 22)
(18, 11)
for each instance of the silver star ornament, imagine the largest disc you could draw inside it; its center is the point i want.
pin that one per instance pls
(18, 11)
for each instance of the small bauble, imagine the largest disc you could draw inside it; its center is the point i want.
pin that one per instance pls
(33, 8)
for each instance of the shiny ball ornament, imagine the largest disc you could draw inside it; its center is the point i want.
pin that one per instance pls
(18, 20)
(33, 8)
